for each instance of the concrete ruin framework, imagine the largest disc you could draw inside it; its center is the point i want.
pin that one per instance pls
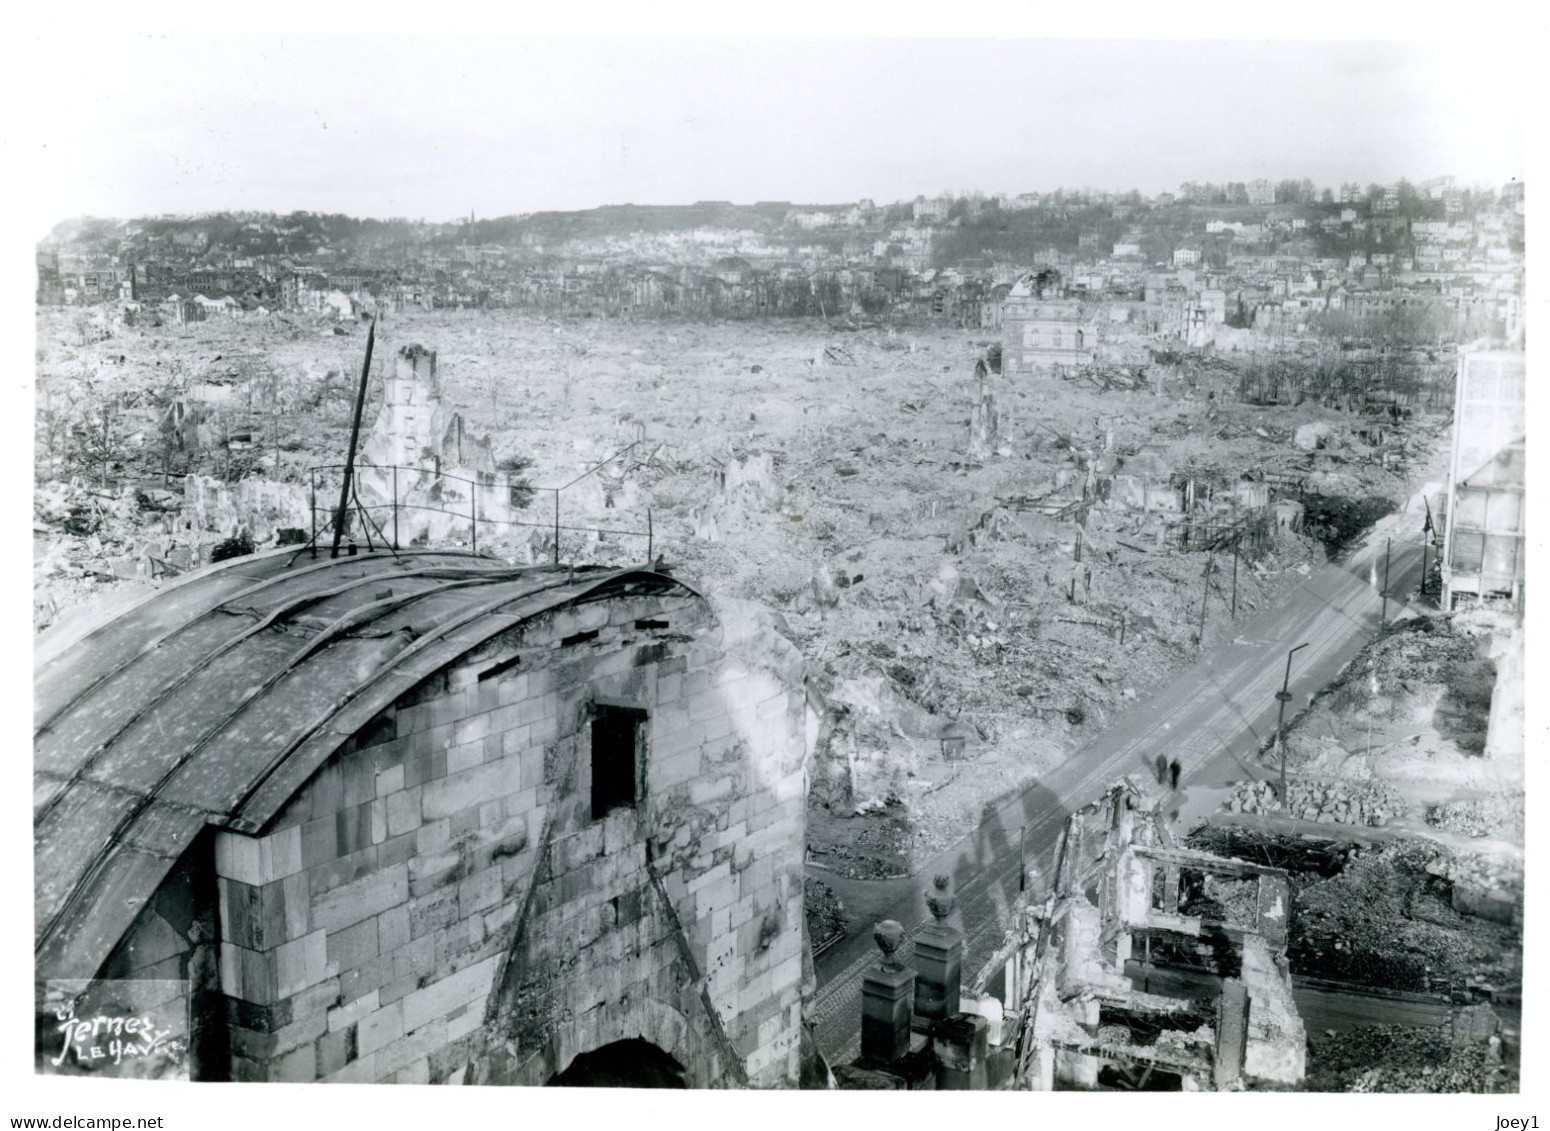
(1121, 888)
(429, 818)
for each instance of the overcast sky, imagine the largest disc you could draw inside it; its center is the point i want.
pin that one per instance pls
(433, 126)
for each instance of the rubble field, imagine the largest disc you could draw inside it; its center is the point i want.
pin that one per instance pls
(1403, 1058)
(1412, 708)
(1401, 914)
(981, 571)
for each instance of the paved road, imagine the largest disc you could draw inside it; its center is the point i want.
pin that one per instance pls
(1214, 718)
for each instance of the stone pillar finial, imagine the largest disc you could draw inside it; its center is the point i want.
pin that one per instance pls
(940, 898)
(889, 937)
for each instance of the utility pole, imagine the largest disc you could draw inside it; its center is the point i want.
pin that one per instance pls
(1235, 538)
(1284, 696)
(1387, 554)
(1426, 537)
(355, 432)
(1205, 592)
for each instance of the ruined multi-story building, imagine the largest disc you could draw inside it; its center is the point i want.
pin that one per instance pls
(1483, 551)
(426, 817)
(1073, 998)
(1042, 333)
(1122, 890)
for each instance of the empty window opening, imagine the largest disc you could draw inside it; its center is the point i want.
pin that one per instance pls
(615, 745)
(579, 638)
(651, 624)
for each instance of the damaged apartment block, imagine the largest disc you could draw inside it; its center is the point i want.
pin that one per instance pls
(1071, 1003)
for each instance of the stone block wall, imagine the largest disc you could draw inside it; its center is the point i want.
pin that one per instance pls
(438, 905)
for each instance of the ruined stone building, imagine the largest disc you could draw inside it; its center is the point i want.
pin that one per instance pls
(426, 817)
(1072, 998)
(1122, 890)
(1072, 980)
(1042, 332)
(421, 468)
(1483, 553)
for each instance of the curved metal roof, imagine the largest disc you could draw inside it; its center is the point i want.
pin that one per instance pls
(213, 700)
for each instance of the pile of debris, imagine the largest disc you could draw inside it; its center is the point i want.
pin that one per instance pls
(1400, 1058)
(1489, 887)
(1390, 919)
(1500, 815)
(1326, 801)
(825, 913)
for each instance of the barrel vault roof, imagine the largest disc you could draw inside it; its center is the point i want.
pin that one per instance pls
(211, 701)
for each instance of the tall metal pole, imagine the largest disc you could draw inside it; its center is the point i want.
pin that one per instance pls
(395, 506)
(1284, 696)
(473, 513)
(1235, 538)
(355, 434)
(1388, 552)
(557, 528)
(1428, 534)
(1205, 592)
(312, 497)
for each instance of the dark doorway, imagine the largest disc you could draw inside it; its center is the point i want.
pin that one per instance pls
(624, 1064)
(615, 737)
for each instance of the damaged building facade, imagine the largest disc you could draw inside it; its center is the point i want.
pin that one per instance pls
(1068, 1002)
(1122, 890)
(1483, 551)
(426, 817)
(1044, 333)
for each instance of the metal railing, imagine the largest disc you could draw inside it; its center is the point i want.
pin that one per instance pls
(367, 512)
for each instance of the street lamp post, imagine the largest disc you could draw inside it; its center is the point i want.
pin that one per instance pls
(1284, 697)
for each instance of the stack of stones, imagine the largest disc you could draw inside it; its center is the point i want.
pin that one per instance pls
(1326, 801)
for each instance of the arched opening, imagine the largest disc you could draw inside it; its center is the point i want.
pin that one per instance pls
(631, 1063)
